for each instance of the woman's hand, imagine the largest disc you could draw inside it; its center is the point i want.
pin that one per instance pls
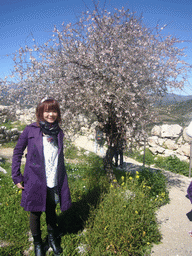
(19, 186)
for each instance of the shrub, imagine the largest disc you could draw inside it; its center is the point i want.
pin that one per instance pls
(124, 222)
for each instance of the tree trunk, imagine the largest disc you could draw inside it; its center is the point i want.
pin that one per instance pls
(108, 163)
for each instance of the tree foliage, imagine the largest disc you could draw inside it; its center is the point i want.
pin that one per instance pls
(109, 65)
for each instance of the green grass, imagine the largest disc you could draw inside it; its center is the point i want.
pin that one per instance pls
(10, 125)
(105, 219)
(170, 163)
(10, 144)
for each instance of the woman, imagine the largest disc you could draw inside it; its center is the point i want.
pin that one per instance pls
(44, 181)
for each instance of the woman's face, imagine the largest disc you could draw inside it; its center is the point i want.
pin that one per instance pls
(50, 115)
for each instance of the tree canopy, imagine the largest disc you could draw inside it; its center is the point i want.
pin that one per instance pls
(107, 64)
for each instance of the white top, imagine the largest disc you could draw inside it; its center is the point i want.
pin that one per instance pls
(189, 130)
(50, 151)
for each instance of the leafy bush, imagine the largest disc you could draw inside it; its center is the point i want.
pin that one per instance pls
(155, 182)
(124, 222)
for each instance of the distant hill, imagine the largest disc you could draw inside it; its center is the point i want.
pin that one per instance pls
(175, 109)
(171, 98)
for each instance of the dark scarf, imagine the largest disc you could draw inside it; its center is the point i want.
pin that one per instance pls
(50, 129)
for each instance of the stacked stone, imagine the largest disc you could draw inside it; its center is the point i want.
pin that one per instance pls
(8, 135)
(170, 140)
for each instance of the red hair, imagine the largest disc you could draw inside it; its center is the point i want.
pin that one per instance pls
(49, 104)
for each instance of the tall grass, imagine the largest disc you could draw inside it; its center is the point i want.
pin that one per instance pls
(169, 163)
(105, 219)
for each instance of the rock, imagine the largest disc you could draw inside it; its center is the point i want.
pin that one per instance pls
(26, 116)
(184, 150)
(180, 141)
(161, 142)
(171, 131)
(14, 131)
(182, 158)
(186, 137)
(157, 150)
(170, 144)
(3, 170)
(153, 141)
(168, 152)
(156, 131)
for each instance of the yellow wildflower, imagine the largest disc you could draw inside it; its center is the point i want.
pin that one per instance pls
(136, 212)
(122, 178)
(137, 176)
(130, 178)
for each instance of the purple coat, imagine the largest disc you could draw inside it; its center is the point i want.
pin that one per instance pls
(189, 191)
(34, 177)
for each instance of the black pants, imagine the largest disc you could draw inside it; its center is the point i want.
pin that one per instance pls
(51, 218)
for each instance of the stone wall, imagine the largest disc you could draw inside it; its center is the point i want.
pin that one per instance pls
(165, 140)
(6, 114)
(25, 116)
(170, 140)
(8, 135)
(9, 113)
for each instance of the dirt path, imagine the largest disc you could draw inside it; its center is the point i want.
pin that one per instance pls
(173, 223)
(6, 153)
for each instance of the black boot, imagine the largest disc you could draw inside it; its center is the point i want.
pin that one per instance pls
(38, 246)
(54, 243)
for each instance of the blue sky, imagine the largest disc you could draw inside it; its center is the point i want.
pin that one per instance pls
(20, 18)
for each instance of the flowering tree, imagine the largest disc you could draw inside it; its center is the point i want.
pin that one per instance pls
(108, 65)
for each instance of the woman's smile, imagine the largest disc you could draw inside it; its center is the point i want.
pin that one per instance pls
(50, 116)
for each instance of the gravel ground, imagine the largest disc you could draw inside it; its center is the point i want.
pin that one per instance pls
(173, 222)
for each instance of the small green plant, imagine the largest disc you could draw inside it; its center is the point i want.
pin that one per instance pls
(155, 182)
(124, 222)
(71, 151)
(170, 163)
(10, 144)
(13, 220)
(173, 164)
(10, 125)
(137, 155)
